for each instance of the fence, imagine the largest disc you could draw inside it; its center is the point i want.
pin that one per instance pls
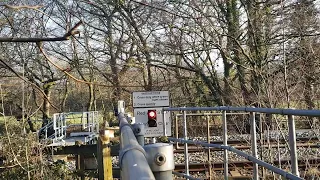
(155, 161)
(86, 122)
(292, 137)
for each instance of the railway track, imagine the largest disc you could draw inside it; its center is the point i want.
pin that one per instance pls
(245, 166)
(233, 165)
(193, 148)
(243, 144)
(265, 141)
(248, 165)
(237, 166)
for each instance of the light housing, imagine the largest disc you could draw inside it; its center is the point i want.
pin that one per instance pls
(152, 118)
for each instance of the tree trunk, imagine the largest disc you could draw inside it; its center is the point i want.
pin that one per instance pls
(65, 96)
(46, 102)
(91, 97)
(257, 51)
(31, 126)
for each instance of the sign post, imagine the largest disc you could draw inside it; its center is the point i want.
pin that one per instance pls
(152, 101)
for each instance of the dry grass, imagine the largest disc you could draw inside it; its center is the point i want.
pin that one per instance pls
(24, 156)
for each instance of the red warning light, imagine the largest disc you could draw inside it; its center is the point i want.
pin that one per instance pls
(152, 118)
(152, 114)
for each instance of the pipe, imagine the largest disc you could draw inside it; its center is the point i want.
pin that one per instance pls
(254, 144)
(225, 141)
(293, 146)
(185, 134)
(296, 112)
(132, 159)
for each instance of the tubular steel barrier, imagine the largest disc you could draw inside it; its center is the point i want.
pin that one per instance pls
(252, 111)
(240, 153)
(132, 157)
(295, 112)
(225, 135)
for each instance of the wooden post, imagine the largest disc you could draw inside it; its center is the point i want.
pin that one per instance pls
(104, 156)
(80, 166)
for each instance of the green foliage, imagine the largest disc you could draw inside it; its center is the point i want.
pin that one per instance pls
(116, 133)
(114, 142)
(163, 139)
(49, 85)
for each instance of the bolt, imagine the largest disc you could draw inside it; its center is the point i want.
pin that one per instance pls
(138, 130)
(160, 159)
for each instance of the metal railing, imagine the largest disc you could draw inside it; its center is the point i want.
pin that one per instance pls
(59, 126)
(206, 114)
(44, 129)
(132, 157)
(240, 153)
(90, 121)
(62, 121)
(292, 137)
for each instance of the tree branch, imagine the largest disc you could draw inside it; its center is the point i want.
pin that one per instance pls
(65, 37)
(25, 80)
(22, 7)
(73, 77)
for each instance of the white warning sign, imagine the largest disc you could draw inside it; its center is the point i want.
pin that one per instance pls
(150, 99)
(141, 116)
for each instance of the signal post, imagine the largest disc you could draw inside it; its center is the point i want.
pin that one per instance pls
(148, 111)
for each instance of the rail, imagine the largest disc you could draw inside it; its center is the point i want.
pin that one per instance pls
(44, 130)
(295, 112)
(132, 157)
